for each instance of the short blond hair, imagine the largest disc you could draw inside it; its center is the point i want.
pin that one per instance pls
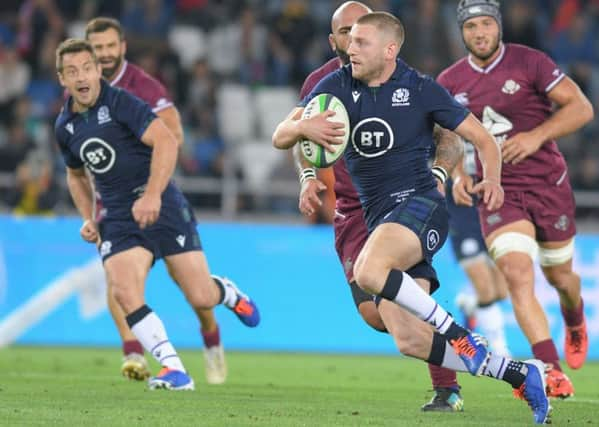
(73, 46)
(385, 22)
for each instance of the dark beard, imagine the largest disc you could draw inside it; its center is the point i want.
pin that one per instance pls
(343, 56)
(107, 73)
(485, 57)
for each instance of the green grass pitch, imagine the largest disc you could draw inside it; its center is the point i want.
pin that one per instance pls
(43, 386)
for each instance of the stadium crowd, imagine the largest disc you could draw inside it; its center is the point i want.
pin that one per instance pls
(255, 43)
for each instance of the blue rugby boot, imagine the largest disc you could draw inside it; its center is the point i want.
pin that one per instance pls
(244, 308)
(533, 390)
(171, 379)
(472, 349)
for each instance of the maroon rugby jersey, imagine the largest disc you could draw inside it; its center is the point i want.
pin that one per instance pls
(345, 194)
(510, 96)
(136, 81)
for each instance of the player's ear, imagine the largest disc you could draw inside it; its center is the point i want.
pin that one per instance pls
(332, 42)
(60, 79)
(123, 47)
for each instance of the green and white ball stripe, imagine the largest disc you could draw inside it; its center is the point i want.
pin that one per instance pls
(314, 153)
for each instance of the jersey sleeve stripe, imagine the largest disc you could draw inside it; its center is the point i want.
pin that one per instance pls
(555, 82)
(163, 107)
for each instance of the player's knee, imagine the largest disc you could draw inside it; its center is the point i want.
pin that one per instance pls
(201, 300)
(561, 278)
(365, 276)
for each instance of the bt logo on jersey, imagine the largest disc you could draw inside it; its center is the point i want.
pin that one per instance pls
(97, 155)
(372, 137)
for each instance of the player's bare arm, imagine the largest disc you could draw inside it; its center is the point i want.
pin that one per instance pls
(81, 191)
(311, 186)
(490, 157)
(164, 157)
(449, 151)
(317, 129)
(172, 119)
(575, 110)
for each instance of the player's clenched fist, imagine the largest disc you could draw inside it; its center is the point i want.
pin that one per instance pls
(146, 210)
(89, 231)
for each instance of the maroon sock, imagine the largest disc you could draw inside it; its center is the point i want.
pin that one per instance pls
(132, 346)
(443, 377)
(546, 351)
(573, 316)
(211, 339)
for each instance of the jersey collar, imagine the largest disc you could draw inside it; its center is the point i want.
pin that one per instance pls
(120, 74)
(492, 65)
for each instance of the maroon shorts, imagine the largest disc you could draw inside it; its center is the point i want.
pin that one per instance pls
(550, 209)
(351, 235)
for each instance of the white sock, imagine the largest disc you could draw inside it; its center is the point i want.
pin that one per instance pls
(230, 296)
(151, 334)
(491, 324)
(496, 366)
(404, 291)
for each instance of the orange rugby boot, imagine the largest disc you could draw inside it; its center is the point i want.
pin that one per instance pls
(577, 345)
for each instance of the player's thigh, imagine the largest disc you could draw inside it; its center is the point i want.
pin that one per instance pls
(514, 249)
(190, 271)
(390, 245)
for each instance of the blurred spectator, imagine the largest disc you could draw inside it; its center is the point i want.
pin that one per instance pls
(202, 154)
(427, 41)
(575, 49)
(14, 78)
(146, 24)
(37, 19)
(202, 86)
(292, 31)
(35, 189)
(519, 25)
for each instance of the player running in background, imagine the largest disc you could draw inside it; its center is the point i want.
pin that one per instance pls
(132, 154)
(511, 88)
(392, 110)
(107, 39)
(482, 309)
(348, 223)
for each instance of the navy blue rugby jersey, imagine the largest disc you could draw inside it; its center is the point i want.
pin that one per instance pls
(391, 133)
(107, 140)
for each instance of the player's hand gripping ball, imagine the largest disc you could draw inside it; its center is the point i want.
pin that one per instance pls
(314, 153)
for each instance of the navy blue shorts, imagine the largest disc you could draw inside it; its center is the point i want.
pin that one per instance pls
(426, 215)
(464, 230)
(175, 232)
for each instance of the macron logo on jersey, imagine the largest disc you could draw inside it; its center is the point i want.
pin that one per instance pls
(69, 127)
(400, 98)
(103, 115)
(356, 95)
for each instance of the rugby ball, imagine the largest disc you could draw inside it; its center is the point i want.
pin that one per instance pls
(314, 153)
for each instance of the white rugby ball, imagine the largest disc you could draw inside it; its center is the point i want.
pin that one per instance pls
(314, 153)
